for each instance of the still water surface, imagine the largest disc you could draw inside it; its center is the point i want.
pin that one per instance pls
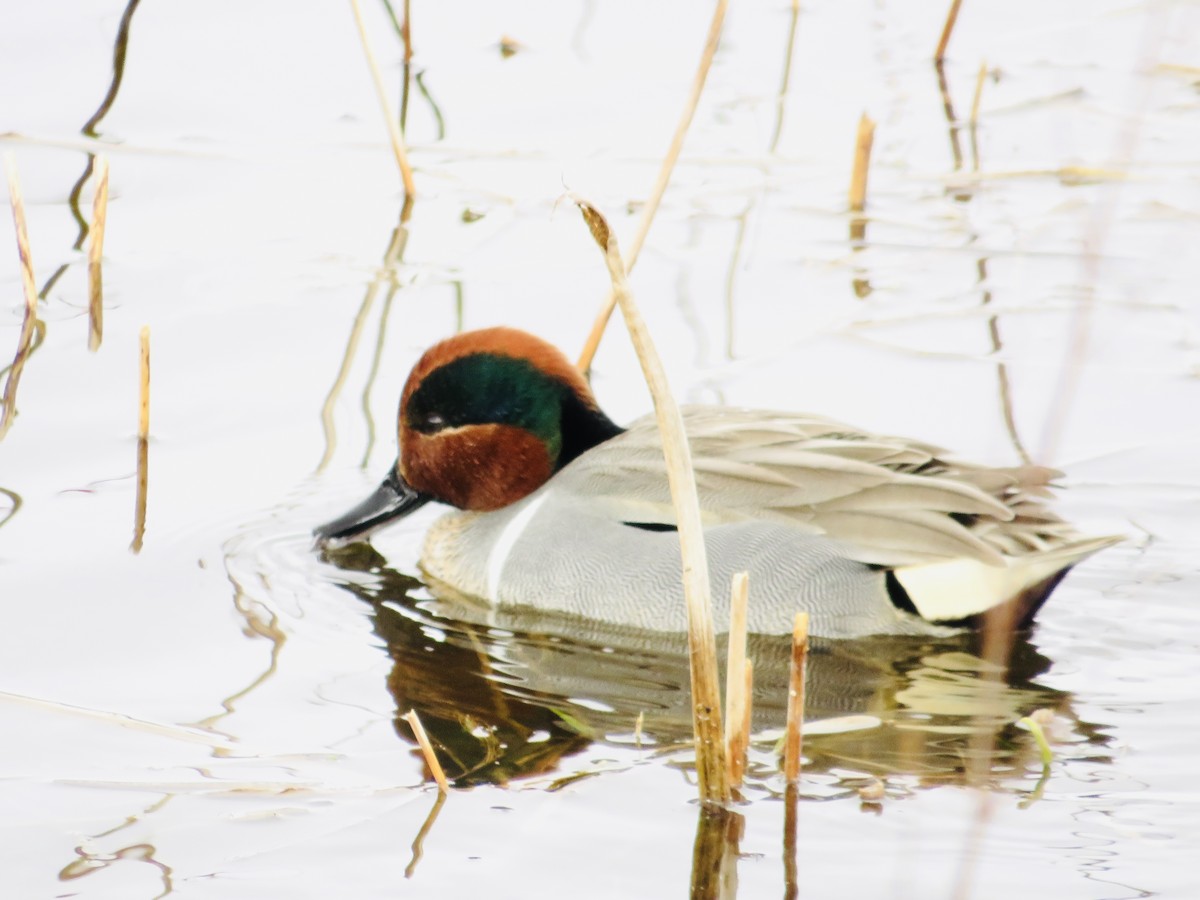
(218, 715)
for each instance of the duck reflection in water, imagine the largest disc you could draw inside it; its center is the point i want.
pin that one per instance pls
(507, 693)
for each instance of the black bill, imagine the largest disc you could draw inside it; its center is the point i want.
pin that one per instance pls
(393, 499)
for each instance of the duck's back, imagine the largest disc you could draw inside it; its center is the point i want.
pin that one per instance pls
(890, 501)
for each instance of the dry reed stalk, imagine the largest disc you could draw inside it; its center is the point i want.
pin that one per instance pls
(29, 323)
(979, 80)
(186, 733)
(406, 33)
(747, 708)
(735, 257)
(1006, 397)
(143, 447)
(393, 126)
(711, 770)
(660, 185)
(96, 255)
(862, 163)
(144, 383)
(737, 737)
(1033, 722)
(431, 760)
(787, 74)
(794, 742)
(951, 17)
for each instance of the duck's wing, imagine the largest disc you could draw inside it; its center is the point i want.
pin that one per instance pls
(890, 501)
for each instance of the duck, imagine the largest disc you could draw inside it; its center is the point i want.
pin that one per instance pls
(557, 508)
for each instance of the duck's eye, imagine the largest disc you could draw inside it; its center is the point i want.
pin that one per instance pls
(429, 423)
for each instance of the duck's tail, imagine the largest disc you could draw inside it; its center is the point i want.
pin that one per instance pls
(960, 591)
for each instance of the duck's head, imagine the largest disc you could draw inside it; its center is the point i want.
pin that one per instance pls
(486, 417)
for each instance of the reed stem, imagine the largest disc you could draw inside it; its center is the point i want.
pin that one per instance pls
(794, 742)
(431, 759)
(711, 770)
(96, 255)
(397, 139)
(737, 736)
(660, 184)
(951, 17)
(862, 163)
(979, 80)
(29, 287)
(143, 445)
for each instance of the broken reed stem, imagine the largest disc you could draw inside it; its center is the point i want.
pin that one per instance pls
(406, 32)
(431, 760)
(979, 80)
(1039, 735)
(143, 446)
(660, 185)
(393, 126)
(711, 771)
(747, 710)
(781, 97)
(737, 737)
(191, 734)
(29, 286)
(947, 29)
(794, 742)
(144, 382)
(862, 163)
(95, 255)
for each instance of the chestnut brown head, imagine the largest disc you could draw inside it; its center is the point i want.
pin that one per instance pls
(486, 418)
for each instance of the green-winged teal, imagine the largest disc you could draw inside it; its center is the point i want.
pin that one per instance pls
(559, 508)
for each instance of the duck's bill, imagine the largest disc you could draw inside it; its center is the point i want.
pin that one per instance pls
(392, 500)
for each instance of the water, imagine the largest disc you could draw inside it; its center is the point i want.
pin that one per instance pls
(218, 715)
